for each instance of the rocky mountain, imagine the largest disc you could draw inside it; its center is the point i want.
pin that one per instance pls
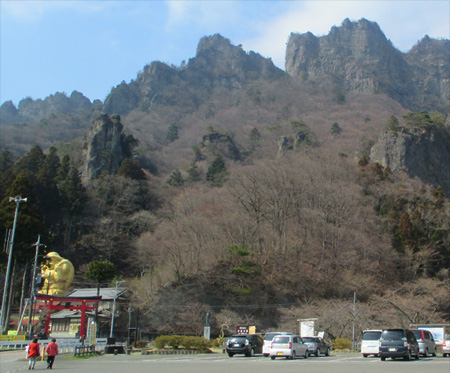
(105, 149)
(357, 56)
(217, 63)
(30, 110)
(420, 152)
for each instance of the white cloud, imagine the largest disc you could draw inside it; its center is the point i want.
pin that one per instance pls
(404, 22)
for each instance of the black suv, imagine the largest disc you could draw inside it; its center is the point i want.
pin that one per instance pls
(247, 344)
(398, 343)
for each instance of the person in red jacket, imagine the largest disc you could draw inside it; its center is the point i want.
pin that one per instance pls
(52, 351)
(33, 353)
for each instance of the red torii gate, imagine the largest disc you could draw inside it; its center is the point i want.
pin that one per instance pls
(55, 303)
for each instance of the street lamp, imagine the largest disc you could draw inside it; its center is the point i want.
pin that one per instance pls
(17, 200)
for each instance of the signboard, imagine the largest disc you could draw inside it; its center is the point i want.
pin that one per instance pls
(242, 329)
(307, 327)
(252, 330)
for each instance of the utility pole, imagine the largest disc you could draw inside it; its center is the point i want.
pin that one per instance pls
(114, 309)
(354, 314)
(17, 200)
(33, 282)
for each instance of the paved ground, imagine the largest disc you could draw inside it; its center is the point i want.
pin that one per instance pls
(217, 363)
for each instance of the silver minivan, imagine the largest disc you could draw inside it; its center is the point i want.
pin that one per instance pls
(427, 345)
(288, 346)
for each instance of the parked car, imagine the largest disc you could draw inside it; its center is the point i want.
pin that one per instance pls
(370, 344)
(426, 342)
(446, 346)
(267, 344)
(396, 343)
(247, 344)
(288, 346)
(316, 346)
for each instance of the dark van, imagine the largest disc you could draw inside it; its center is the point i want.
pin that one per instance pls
(398, 343)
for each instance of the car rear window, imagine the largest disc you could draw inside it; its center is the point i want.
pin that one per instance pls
(371, 336)
(281, 340)
(417, 334)
(392, 334)
(238, 339)
(308, 339)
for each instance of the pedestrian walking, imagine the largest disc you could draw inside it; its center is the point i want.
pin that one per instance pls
(33, 353)
(52, 351)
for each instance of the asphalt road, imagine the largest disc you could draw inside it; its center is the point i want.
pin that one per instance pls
(218, 363)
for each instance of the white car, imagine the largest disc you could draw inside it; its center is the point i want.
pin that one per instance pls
(370, 344)
(288, 346)
(267, 344)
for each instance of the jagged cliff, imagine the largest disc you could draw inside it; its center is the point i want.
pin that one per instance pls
(217, 63)
(35, 110)
(357, 56)
(421, 153)
(105, 148)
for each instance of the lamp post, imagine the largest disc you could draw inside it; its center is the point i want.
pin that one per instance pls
(17, 200)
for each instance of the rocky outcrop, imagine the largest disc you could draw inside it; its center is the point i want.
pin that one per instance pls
(217, 63)
(222, 144)
(424, 154)
(35, 110)
(105, 149)
(357, 56)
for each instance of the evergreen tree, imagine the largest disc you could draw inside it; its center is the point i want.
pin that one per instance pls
(29, 220)
(131, 169)
(6, 160)
(255, 137)
(193, 173)
(393, 124)
(64, 168)
(175, 179)
(31, 161)
(217, 172)
(336, 129)
(172, 133)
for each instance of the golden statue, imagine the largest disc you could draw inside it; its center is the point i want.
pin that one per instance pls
(58, 274)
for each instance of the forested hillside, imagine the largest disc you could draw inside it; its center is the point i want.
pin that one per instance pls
(227, 185)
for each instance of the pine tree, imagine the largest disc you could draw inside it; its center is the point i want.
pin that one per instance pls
(217, 172)
(172, 133)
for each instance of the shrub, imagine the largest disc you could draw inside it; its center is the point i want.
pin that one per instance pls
(342, 344)
(141, 344)
(175, 341)
(161, 341)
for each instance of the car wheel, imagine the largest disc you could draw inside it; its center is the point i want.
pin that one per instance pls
(365, 355)
(272, 357)
(327, 352)
(317, 353)
(230, 354)
(252, 352)
(306, 354)
(293, 356)
(425, 353)
(435, 350)
(407, 357)
(417, 356)
(266, 355)
(383, 358)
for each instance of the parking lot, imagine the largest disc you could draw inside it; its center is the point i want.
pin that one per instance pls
(217, 363)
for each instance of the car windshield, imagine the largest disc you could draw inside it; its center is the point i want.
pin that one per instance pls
(308, 339)
(371, 336)
(392, 335)
(281, 340)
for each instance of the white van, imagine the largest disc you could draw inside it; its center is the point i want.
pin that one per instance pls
(370, 344)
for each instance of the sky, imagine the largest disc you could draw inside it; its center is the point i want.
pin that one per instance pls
(92, 46)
